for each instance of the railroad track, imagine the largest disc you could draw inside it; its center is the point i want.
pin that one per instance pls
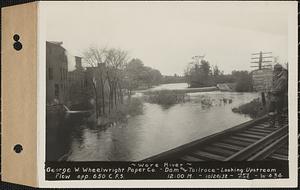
(280, 154)
(249, 141)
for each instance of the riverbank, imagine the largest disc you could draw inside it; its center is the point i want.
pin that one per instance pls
(254, 109)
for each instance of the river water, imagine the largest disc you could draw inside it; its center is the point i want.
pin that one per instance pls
(158, 129)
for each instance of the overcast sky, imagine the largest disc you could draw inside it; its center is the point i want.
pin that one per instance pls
(166, 35)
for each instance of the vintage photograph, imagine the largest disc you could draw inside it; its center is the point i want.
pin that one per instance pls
(167, 81)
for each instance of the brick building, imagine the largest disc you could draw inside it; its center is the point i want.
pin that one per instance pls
(56, 73)
(77, 83)
(68, 82)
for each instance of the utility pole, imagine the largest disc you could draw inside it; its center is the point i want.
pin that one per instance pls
(260, 61)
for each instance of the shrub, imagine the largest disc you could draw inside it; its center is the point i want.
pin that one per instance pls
(165, 97)
(253, 109)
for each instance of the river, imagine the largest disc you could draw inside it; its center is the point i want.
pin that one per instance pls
(158, 129)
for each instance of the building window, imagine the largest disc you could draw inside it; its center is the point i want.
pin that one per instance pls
(65, 74)
(56, 90)
(85, 83)
(50, 73)
(61, 74)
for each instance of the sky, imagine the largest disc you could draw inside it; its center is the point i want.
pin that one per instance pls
(166, 35)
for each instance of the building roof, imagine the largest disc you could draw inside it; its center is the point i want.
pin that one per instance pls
(55, 42)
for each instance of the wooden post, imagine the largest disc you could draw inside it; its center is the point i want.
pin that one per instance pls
(263, 97)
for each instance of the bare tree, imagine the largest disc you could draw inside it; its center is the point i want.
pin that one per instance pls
(116, 60)
(95, 58)
(107, 66)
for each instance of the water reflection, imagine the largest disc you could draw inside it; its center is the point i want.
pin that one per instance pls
(158, 129)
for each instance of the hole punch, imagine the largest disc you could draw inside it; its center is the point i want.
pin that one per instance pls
(18, 148)
(16, 37)
(17, 45)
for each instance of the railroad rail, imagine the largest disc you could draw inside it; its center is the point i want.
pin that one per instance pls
(250, 141)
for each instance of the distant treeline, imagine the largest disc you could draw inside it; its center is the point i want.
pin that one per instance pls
(139, 76)
(173, 79)
(203, 75)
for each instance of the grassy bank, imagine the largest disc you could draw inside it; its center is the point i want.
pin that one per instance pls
(254, 109)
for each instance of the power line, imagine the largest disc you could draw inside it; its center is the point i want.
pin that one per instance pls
(261, 53)
(260, 60)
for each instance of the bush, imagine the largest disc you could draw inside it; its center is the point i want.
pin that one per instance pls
(254, 109)
(165, 97)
